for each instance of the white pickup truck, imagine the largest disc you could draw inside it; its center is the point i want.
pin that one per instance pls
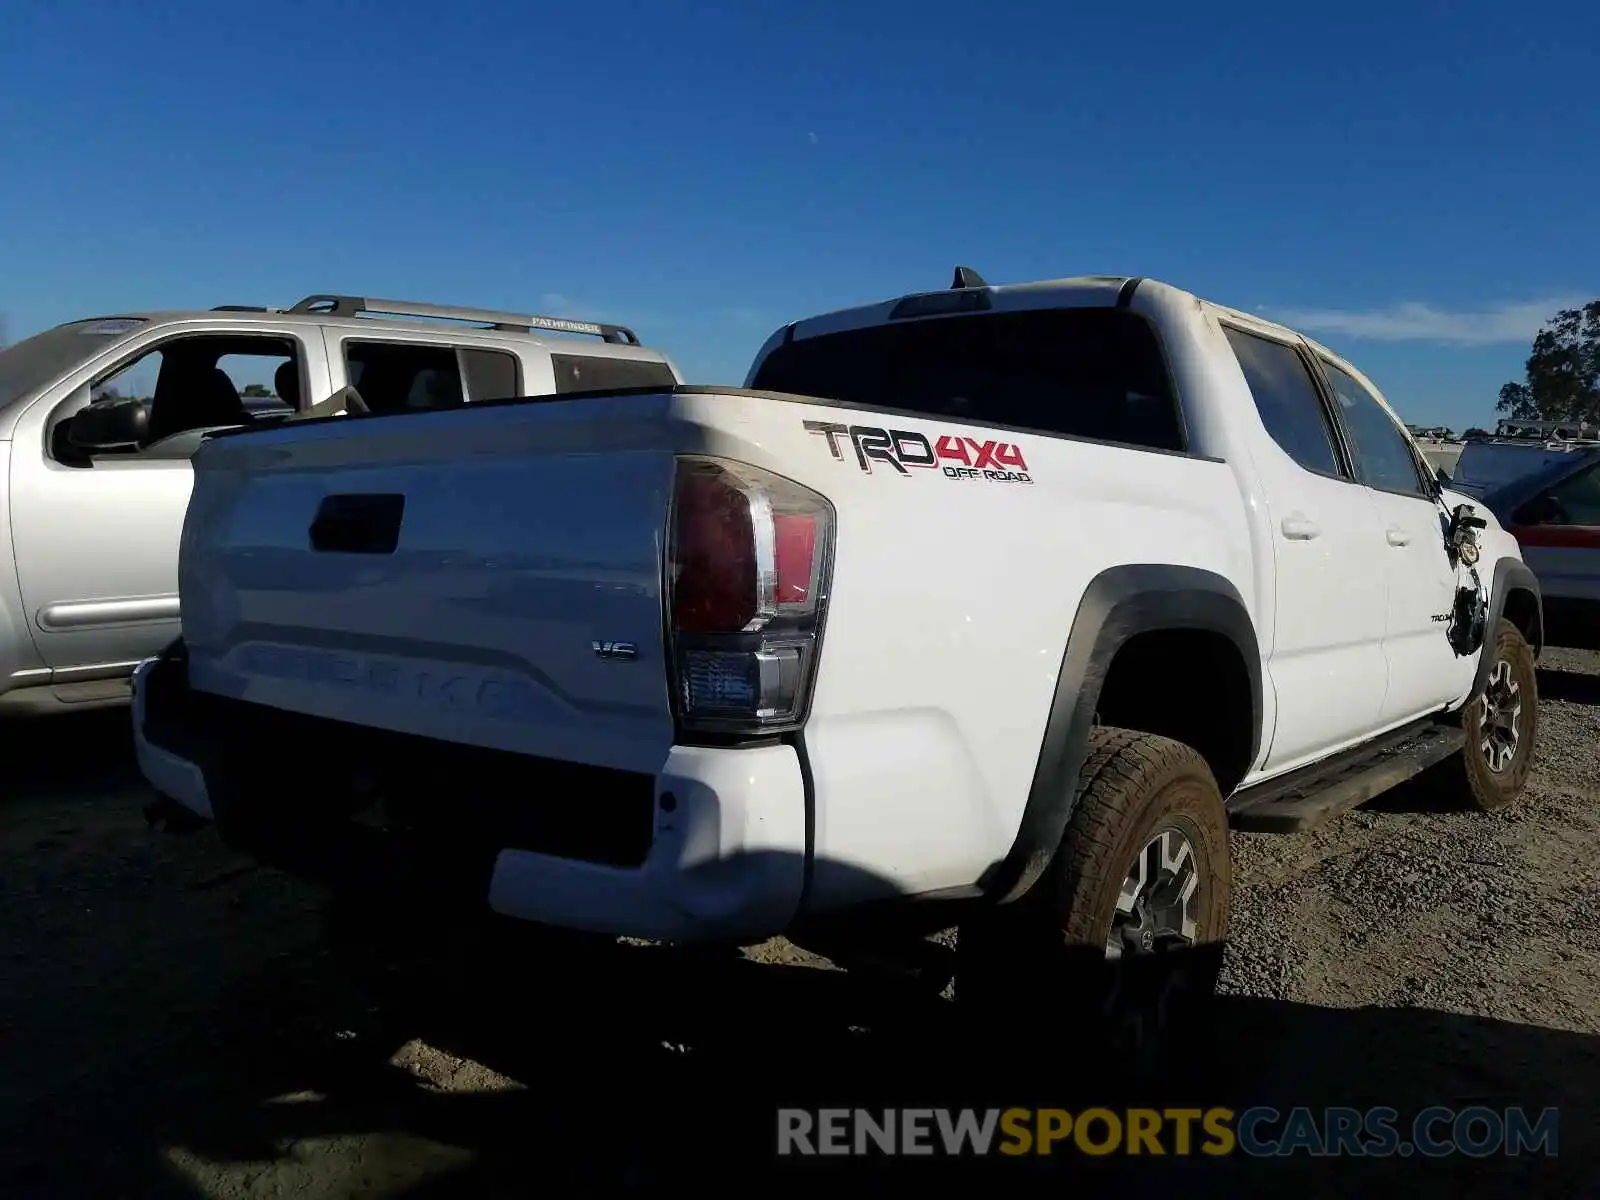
(992, 606)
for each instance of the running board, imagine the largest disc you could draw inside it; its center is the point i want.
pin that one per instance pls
(1316, 794)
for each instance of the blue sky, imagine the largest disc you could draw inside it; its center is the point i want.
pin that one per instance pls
(1414, 183)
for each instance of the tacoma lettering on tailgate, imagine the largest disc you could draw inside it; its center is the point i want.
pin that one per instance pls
(905, 450)
(509, 699)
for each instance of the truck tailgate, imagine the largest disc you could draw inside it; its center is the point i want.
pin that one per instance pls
(466, 575)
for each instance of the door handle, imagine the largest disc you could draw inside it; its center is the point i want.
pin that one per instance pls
(1397, 536)
(1298, 527)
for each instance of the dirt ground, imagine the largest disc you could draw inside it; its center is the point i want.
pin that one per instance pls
(175, 1023)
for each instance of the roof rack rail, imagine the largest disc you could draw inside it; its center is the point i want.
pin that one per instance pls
(350, 306)
(240, 308)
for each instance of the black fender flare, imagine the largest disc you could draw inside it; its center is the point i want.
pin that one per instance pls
(1119, 603)
(1510, 575)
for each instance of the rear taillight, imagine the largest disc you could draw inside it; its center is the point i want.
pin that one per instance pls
(748, 559)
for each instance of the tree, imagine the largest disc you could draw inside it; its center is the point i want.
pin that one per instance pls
(256, 390)
(1563, 372)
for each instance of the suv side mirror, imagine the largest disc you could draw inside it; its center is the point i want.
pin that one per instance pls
(1541, 510)
(110, 425)
(1441, 476)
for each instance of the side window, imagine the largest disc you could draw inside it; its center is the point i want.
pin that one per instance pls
(598, 373)
(490, 374)
(1573, 501)
(1287, 399)
(187, 384)
(131, 381)
(1383, 457)
(435, 387)
(267, 387)
(404, 376)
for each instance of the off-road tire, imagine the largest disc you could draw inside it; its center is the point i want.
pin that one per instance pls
(1046, 953)
(1486, 789)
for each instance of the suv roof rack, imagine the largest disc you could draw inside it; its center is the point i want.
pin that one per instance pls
(350, 306)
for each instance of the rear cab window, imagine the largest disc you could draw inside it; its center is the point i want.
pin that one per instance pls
(1094, 373)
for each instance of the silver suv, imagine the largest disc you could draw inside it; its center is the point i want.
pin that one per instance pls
(99, 418)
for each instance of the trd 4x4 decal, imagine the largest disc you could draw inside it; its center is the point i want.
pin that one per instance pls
(904, 450)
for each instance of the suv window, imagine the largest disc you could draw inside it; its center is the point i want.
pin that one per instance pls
(403, 376)
(203, 381)
(1085, 372)
(1382, 453)
(598, 373)
(1287, 399)
(490, 374)
(410, 376)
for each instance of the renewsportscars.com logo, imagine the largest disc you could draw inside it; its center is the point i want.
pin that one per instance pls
(1260, 1132)
(905, 451)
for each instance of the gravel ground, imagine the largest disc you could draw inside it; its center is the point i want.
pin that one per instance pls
(176, 1023)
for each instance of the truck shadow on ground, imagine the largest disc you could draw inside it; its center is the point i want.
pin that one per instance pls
(1575, 687)
(635, 1066)
(68, 755)
(1437, 790)
(642, 1066)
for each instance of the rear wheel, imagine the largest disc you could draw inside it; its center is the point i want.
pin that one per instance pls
(1501, 725)
(1121, 940)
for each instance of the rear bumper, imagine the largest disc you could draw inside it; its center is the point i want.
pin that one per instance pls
(173, 776)
(718, 849)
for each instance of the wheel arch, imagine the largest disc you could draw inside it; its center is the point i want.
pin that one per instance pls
(1121, 606)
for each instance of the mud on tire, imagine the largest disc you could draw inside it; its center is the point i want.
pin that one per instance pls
(1119, 943)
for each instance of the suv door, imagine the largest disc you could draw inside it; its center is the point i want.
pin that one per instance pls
(96, 536)
(1326, 658)
(1559, 532)
(1424, 671)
